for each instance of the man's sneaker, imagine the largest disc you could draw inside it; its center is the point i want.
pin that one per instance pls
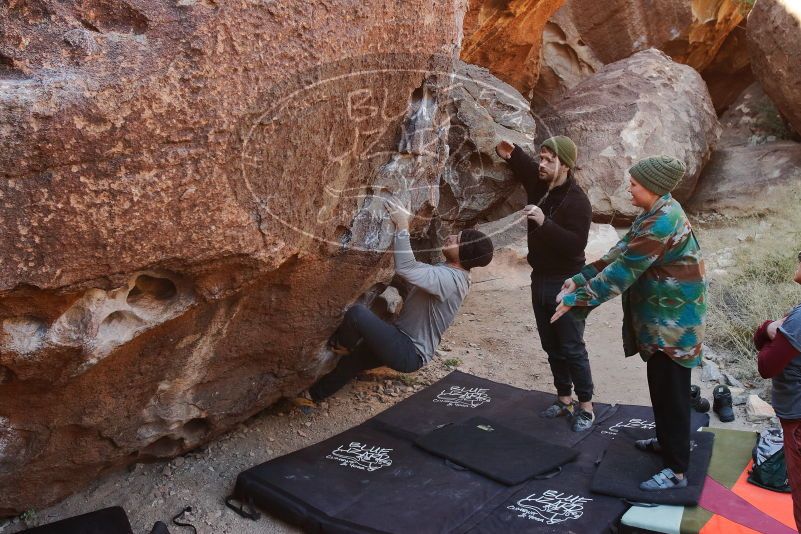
(558, 409)
(664, 480)
(698, 403)
(722, 403)
(582, 420)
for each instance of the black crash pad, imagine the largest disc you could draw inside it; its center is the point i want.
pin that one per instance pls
(497, 452)
(366, 480)
(373, 479)
(558, 505)
(623, 468)
(460, 396)
(106, 521)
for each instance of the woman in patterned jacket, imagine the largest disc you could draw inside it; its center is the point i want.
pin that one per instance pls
(658, 270)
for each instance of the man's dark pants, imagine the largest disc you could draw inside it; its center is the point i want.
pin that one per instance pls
(563, 340)
(669, 386)
(373, 343)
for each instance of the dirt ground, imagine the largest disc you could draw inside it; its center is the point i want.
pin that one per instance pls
(494, 337)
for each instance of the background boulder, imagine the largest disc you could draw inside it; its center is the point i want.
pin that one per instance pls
(544, 48)
(640, 106)
(742, 181)
(774, 43)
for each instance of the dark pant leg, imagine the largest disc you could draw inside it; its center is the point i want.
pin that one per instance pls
(550, 343)
(346, 370)
(382, 344)
(654, 370)
(570, 333)
(385, 341)
(563, 341)
(349, 332)
(669, 386)
(792, 456)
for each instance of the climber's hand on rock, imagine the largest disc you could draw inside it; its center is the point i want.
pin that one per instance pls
(504, 149)
(399, 215)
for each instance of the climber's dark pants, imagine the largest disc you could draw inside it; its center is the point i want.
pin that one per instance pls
(373, 343)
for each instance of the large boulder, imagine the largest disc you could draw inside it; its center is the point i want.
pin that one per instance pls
(585, 34)
(189, 202)
(640, 106)
(742, 181)
(774, 43)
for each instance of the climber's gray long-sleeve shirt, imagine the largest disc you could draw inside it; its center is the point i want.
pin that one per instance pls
(436, 294)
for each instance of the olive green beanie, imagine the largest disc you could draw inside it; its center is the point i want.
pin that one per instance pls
(658, 174)
(563, 147)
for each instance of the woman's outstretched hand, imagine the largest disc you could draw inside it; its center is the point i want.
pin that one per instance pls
(560, 311)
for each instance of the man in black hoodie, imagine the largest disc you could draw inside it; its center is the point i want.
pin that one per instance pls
(559, 216)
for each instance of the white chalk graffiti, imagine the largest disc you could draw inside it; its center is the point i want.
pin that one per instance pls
(463, 397)
(631, 423)
(551, 507)
(360, 456)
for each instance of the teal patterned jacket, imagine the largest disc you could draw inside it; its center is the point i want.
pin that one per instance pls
(659, 270)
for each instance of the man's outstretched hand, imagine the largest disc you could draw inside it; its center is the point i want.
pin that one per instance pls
(568, 287)
(398, 214)
(504, 149)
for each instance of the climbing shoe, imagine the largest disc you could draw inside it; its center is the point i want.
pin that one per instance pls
(664, 480)
(581, 420)
(304, 403)
(698, 403)
(722, 404)
(335, 346)
(558, 409)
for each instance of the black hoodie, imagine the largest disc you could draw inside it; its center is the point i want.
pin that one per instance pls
(555, 249)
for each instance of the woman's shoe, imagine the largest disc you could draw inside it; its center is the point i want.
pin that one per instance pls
(664, 480)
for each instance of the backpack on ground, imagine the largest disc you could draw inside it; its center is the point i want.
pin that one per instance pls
(770, 467)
